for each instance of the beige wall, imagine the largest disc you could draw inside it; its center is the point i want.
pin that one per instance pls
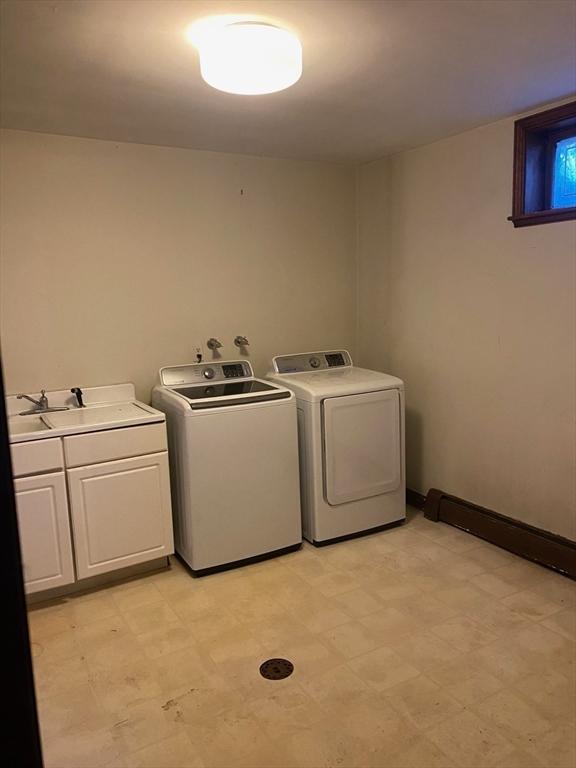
(479, 319)
(118, 258)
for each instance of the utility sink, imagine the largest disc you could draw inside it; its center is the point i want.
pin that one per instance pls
(22, 425)
(95, 415)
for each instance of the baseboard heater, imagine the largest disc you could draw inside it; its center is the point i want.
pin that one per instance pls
(525, 540)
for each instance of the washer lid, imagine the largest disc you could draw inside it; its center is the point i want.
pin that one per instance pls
(336, 382)
(231, 393)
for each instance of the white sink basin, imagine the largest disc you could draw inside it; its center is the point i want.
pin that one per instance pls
(99, 415)
(21, 425)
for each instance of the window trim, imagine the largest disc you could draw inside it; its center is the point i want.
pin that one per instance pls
(550, 124)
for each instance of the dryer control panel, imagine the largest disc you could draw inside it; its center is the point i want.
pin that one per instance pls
(312, 361)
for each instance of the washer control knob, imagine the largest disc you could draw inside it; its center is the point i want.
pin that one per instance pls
(314, 362)
(208, 373)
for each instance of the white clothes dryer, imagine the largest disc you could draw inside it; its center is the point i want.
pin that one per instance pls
(233, 453)
(351, 444)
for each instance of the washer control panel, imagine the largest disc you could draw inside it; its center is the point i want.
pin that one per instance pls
(312, 361)
(233, 370)
(195, 373)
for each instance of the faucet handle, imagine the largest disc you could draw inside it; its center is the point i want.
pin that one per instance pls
(241, 341)
(79, 394)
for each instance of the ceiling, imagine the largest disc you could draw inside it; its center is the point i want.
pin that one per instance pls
(379, 75)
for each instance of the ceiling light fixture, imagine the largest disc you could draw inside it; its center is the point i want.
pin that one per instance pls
(246, 57)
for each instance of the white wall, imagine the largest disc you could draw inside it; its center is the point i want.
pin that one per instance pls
(118, 258)
(479, 319)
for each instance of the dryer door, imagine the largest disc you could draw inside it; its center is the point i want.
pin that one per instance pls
(361, 445)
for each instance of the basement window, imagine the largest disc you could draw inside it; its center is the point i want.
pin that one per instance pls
(564, 174)
(545, 167)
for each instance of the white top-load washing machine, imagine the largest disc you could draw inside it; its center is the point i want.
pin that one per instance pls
(233, 451)
(351, 436)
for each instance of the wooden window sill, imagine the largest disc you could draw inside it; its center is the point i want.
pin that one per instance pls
(543, 217)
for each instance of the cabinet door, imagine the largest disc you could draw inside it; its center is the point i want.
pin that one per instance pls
(44, 531)
(121, 513)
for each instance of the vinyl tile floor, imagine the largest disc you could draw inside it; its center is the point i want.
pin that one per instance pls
(416, 647)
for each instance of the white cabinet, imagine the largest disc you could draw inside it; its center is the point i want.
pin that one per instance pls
(121, 513)
(91, 503)
(44, 531)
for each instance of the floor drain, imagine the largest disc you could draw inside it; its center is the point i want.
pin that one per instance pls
(276, 669)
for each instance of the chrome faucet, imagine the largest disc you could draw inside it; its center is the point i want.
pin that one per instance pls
(42, 405)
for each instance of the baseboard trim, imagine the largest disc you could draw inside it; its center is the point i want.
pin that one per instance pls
(415, 499)
(532, 543)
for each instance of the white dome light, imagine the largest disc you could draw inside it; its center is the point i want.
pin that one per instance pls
(247, 57)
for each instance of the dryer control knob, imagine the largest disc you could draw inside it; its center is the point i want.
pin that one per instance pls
(208, 373)
(314, 362)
